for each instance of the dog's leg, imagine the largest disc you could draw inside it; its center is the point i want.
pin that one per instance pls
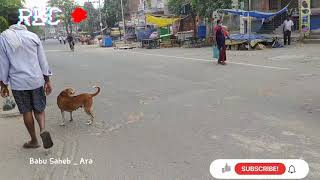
(91, 117)
(63, 119)
(71, 118)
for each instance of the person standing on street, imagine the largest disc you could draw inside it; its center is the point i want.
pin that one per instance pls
(64, 38)
(23, 66)
(221, 34)
(60, 39)
(287, 29)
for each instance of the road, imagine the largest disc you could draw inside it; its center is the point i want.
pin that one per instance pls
(168, 113)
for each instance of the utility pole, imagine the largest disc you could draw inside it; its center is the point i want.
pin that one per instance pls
(249, 24)
(100, 17)
(124, 24)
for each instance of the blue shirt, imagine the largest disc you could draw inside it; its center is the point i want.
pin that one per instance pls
(23, 68)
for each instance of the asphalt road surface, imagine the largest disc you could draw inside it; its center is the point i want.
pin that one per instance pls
(168, 113)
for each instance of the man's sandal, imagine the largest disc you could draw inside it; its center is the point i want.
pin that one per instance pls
(28, 145)
(46, 139)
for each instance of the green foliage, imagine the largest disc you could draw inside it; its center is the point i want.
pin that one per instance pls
(67, 6)
(92, 23)
(176, 6)
(3, 24)
(111, 12)
(7, 6)
(203, 8)
(37, 30)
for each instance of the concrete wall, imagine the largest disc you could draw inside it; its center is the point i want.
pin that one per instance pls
(157, 5)
(133, 7)
(260, 5)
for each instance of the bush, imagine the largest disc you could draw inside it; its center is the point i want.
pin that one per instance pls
(3, 24)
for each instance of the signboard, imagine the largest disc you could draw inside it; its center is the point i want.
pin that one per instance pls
(305, 12)
(39, 17)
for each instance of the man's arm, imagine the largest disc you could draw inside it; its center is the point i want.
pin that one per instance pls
(4, 65)
(43, 60)
(4, 71)
(44, 68)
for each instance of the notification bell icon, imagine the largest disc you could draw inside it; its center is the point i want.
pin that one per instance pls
(292, 169)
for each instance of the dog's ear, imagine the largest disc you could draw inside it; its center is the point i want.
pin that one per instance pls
(64, 92)
(72, 91)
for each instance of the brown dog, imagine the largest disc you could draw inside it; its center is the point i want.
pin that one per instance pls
(67, 101)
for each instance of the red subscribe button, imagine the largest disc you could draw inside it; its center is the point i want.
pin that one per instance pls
(260, 168)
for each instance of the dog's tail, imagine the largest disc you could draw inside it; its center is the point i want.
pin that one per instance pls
(98, 91)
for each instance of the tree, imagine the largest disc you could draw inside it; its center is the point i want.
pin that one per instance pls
(67, 6)
(201, 8)
(6, 7)
(3, 24)
(92, 23)
(111, 12)
(205, 8)
(37, 30)
(176, 6)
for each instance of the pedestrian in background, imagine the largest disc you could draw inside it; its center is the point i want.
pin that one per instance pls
(220, 35)
(287, 29)
(64, 39)
(60, 39)
(23, 66)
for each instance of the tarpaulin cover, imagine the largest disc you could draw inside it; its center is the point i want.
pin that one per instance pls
(144, 33)
(245, 37)
(256, 14)
(254, 39)
(159, 21)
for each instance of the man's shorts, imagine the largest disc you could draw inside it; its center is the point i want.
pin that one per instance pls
(30, 100)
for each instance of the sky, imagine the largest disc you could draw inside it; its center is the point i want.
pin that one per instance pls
(43, 3)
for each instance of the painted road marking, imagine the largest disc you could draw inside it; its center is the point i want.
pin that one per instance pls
(207, 60)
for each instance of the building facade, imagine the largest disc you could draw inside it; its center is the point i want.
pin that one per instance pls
(133, 9)
(315, 14)
(138, 9)
(275, 5)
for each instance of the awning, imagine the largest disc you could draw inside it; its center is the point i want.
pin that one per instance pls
(256, 14)
(159, 21)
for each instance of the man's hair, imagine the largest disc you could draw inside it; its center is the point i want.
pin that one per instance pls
(13, 17)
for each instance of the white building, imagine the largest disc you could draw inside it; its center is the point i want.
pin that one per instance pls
(153, 6)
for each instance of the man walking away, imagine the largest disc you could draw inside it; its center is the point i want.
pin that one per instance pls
(23, 65)
(287, 29)
(70, 41)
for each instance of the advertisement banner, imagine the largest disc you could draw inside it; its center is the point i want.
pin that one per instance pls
(305, 12)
